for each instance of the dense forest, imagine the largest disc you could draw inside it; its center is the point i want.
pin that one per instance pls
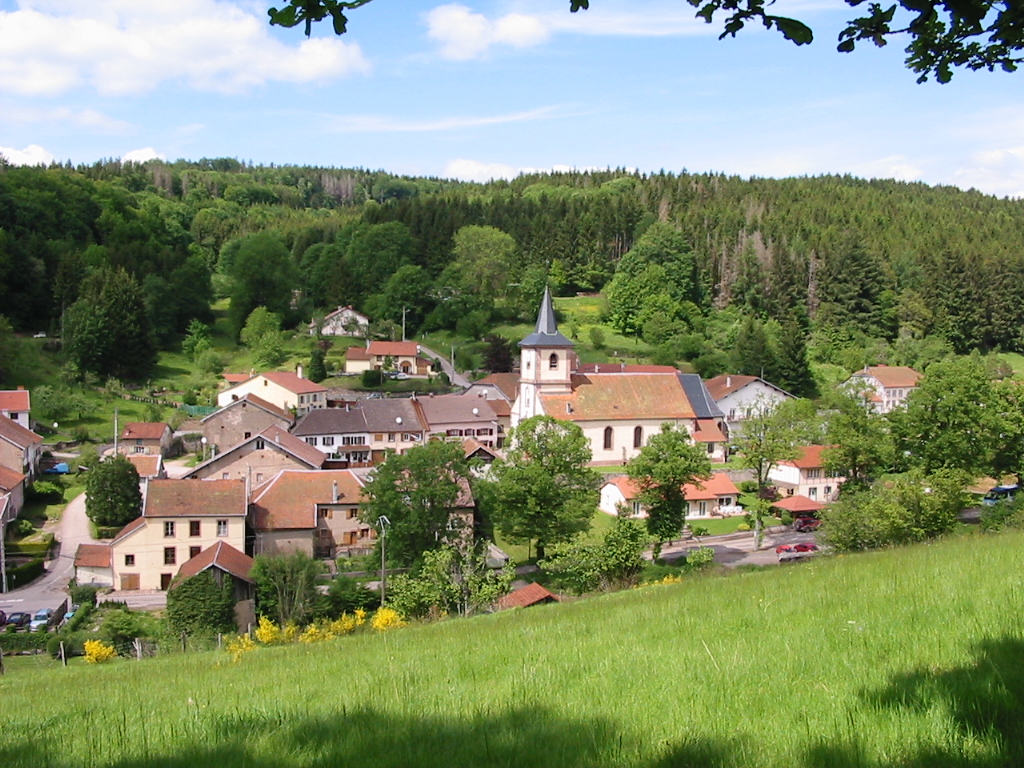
(846, 270)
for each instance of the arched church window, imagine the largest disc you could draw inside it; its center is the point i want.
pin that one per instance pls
(553, 362)
(607, 438)
(638, 437)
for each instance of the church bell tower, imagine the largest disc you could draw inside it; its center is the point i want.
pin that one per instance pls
(546, 362)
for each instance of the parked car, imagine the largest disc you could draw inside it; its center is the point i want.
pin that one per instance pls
(19, 619)
(70, 614)
(786, 552)
(998, 494)
(3, 619)
(806, 523)
(805, 546)
(41, 619)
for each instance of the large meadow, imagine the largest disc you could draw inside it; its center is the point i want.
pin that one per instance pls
(908, 657)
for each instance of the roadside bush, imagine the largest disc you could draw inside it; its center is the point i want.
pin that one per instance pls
(786, 518)
(699, 558)
(699, 530)
(81, 616)
(16, 642)
(121, 626)
(743, 527)
(23, 527)
(74, 644)
(615, 562)
(1003, 515)
(345, 595)
(901, 509)
(200, 606)
(98, 652)
(107, 531)
(45, 492)
(748, 486)
(372, 378)
(82, 594)
(23, 574)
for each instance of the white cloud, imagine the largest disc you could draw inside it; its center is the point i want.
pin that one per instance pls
(83, 118)
(465, 35)
(142, 155)
(474, 170)
(380, 124)
(995, 171)
(33, 154)
(122, 47)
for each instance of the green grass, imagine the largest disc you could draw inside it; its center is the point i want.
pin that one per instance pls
(898, 658)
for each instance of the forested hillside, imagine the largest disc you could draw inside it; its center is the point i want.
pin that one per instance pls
(858, 270)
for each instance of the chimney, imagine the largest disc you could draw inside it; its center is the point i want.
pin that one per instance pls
(298, 370)
(728, 381)
(21, 386)
(334, 492)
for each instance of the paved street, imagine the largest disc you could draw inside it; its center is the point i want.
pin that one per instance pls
(456, 378)
(738, 548)
(49, 590)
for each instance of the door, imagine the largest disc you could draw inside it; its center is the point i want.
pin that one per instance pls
(165, 581)
(129, 582)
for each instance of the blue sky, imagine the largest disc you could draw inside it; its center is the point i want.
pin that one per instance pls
(476, 89)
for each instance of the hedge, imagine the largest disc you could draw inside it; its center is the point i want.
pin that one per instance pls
(14, 642)
(36, 548)
(24, 574)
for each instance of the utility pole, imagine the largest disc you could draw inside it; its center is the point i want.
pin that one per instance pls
(383, 522)
(115, 430)
(3, 553)
(403, 323)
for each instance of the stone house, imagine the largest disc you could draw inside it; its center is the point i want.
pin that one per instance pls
(806, 476)
(20, 448)
(363, 432)
(886, 386)
(403, 356)
(241, 419)
(259, 458)
(146, 438)
(288, 391)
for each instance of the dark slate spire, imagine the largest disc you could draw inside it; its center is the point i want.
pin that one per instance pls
(546, 333)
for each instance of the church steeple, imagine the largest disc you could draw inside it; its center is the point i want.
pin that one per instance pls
(546, 363)
(546, 333)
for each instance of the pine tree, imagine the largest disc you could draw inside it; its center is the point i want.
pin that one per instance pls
(753, 355)
(791, 369)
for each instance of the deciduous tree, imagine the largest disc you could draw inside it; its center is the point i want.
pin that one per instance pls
(112, 492)
(543, 490)
(663, 467)
(286, 586)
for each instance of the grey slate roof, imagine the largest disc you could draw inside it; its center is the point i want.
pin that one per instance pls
(704, 406)
(364, 416)
(546, 333)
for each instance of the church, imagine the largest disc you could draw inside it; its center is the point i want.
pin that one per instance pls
(618, 407)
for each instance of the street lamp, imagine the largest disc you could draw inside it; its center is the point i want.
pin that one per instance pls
(203, 441)
(383, 522)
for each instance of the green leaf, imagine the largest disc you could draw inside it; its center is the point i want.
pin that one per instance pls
(793, 30)
(340, 23)
(575, 5)
(846, 46)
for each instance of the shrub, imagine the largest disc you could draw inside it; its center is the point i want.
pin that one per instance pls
(748, 486)
(23, 574)
(82, 594)
(98, 652)
(1003, 515)
(699, 530)
(46, 492)
(14, 642)
(239, 646)
(74, 644)
(385, 618)
(267, 632)
(699, 558)
(23, 527)
(786, 519)
(372, 378)
(743, 527)
(344, 596)
(83, 613)
(199, 605)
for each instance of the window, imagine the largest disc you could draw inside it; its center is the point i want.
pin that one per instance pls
(169, 530)
(170, 556)
(352, 440)
(378, 438)
(553, 362)
(139, 449)
(352, 514)
(223, 475)
(828, 490)
(193, 551)
(129, 560)
(812, 473)
(813, 492)
(637, 508)
(311, 440)
(323, 514)
(391, 437)
(259, 477)
(638, 437)
(222, 527)
(607, 438)
(329, 441)
(247, 435)
(454, 433)
(484, 431)
(470, 432)
(702, 508)
(138, 441)
(193, 527)
(260, 444)
(711, 447)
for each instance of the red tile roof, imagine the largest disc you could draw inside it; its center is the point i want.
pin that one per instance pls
(471, 445)
(720, 386)
(718, 485)
(10, 478)
(627, 487)
(147, 465)
(144, 430)
(357, 353)
(708, 432)
(809, 458)
(288, 501)
(14, 400)
(92, 556)
(236, 378)
(890, 376)
(394, 348)
(624, 368)
(531, 594)
(797, 503)
(610, 397)
(506, 383)
(13, 432)
(194, 498)
(293, 382)
(259, 402)
(221, 555)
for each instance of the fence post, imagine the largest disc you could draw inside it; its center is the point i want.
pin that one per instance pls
(1, 661)
(138, 649)
(183, 642)
(219, 638)
(63, 658)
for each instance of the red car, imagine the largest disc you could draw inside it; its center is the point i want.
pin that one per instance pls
(804, 524)
(805, 546)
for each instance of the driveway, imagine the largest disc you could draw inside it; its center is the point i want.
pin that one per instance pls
(50, 590)
(456, 378)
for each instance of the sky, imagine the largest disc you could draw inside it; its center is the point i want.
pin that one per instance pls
(481, 89)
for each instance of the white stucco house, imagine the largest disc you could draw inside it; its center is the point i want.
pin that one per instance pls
(736, 396)
(716, 497)
(344, 321)
(885, 386)
(806, 476)
(286, 390)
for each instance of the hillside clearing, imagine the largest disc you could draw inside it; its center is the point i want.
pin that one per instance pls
(903, 657)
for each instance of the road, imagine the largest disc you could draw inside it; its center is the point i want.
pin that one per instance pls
(737, 549)
(50, 590)
(456, 378)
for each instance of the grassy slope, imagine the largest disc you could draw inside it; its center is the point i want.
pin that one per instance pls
(907, 657)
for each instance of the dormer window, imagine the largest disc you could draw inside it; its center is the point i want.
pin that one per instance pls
(553, 362)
